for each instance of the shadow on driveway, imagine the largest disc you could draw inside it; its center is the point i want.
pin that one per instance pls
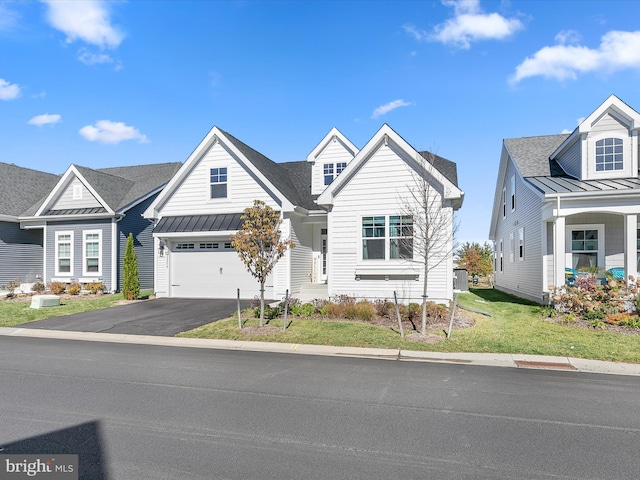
(163, 317)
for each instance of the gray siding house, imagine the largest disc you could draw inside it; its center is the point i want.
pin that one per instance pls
(326, 202)
(77, 223)
(568, 201)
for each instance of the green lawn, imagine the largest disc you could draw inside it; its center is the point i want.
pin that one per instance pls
(14, 313)
(515, 326)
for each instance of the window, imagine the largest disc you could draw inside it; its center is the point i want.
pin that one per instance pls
(609, 154)
(521, 244)
(512, 247)
(504, 202)
(208, 246)
(219, 182)
(91, 264)
(227, 245)
(378, 243)
(185, 246)
(328, 173)
(513, 192)
(401, 236)
(340, 166)
(64, 253)
(584, 249)
(373, 238)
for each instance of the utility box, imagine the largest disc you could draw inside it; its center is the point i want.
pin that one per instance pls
(460, 280)
(41, 301)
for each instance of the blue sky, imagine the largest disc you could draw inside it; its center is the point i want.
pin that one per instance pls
(104, 84)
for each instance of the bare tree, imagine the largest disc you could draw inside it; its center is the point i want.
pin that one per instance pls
(259, 243)
(433, 228)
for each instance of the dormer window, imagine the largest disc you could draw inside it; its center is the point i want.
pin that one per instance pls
(340, 166)
(218, 183)
(328, 173)
(609, 154)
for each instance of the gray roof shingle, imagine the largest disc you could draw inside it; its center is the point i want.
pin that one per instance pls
(446, 167)
(21, 187)
(531, 154)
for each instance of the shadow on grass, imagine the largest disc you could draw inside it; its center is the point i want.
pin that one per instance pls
(492, 295)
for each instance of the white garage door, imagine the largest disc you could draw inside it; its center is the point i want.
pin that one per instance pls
(209, 270)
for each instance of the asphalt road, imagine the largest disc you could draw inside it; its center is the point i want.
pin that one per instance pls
(149, 412)
(161, 317)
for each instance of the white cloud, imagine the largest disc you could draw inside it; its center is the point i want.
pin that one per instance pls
(8, 91)
(8, 18)
(106, 131)
(45, 119)
(468, 25)
(86, 20)
(617, 51)
(384, 109)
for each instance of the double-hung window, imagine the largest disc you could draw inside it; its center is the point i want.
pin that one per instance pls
(92, 252)
(219, 182)
(328, 173)
(340, 166)
(609, 154)
(584, 248)
(64, 253)
(380, 243)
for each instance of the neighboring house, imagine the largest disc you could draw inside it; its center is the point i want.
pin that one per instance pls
(568, 201)
(336, 206)
(79, 223)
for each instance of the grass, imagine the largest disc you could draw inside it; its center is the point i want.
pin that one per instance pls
(515, 326)
(15, 313)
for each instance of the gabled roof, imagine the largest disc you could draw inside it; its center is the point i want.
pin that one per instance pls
(334, 133)
(21, 187)
(116, 189)
(446, 167)
(384, 135)
(531, 154)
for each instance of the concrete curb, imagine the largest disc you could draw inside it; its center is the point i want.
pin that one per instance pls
(482, 359)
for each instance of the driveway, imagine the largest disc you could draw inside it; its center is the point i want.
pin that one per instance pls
(164, 317)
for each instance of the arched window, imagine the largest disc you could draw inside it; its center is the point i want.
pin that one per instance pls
(609, 154)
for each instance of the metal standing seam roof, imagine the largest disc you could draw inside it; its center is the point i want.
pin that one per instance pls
(199, 223)
(551, 185)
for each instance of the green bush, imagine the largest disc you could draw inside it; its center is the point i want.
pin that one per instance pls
(594, 315)
(131, 281)
(308, 309)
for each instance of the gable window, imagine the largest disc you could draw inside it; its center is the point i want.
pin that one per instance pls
(513, 192)
(521, 244)
(340, 166)
(91, 249)
(501, 255)
(328, 173)
(219, 182)
(64, 253)
(584, 249)
(504, 202)
(401, 236)
(609, 154)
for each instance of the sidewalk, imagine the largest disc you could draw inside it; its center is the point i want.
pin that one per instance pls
(484, 359)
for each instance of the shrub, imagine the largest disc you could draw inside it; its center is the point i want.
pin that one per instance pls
(74, 289)
(269, 312)
(384, 308)
(362, 310)
(335, 310)
(38, 287)
(57, 288)
(414, 311)
(633, 322)
(131, 281)
(594, 315)
(95, 287)
(308, 309)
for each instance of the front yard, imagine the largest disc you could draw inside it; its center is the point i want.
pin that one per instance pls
(515, 326)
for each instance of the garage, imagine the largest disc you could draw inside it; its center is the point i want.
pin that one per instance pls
(209, 269)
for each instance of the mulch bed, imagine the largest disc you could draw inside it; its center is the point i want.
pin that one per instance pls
(582, 323)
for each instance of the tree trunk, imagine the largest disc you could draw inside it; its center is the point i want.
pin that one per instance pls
(424, 300)
(261, 303)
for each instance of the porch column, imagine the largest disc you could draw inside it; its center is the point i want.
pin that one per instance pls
(630, 246)
(559, 251)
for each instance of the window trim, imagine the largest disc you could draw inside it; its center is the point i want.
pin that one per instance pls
(85, 257)
(521, 244)
(57, 257)
(513, 193)
(604, 154)
(387, 238)
(76, 191)
(600, 258)
(219, 182)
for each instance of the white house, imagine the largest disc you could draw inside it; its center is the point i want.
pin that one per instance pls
(341, 207)
(568, 201)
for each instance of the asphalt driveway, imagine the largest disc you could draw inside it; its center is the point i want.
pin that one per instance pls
(164, 317)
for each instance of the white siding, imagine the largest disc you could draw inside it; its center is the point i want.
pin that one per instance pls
(377, 189)
(613, 235)
(335, 151)
(66, 200)
(521, 277)
(302, 254)
(161, 274)
(192, 197)
(571, 160)
(609, 123)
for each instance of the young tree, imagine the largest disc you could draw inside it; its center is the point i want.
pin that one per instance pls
(433, 230)
(130, 281)
(259, 243)
(476, 258)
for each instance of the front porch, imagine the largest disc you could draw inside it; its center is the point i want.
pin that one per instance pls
(594, 241)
